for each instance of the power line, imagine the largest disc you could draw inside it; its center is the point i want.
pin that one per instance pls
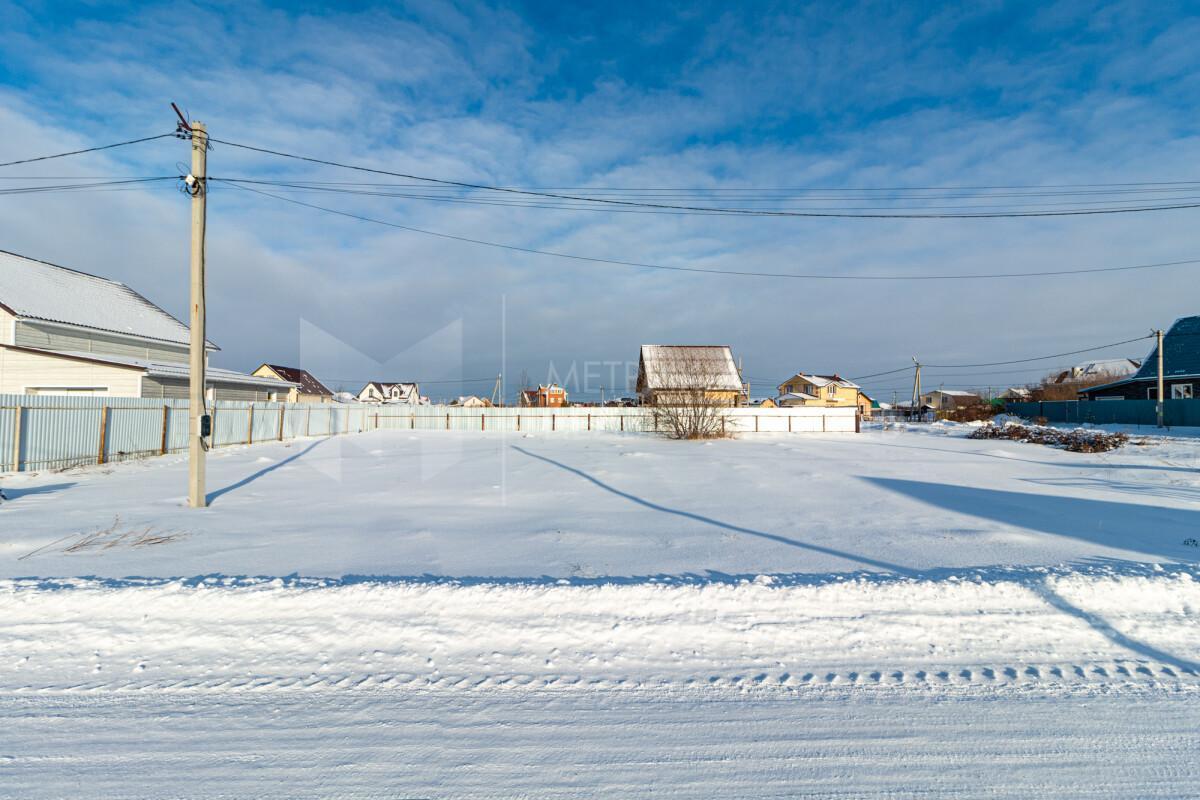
(701, 270)
(637, 208)
(80, 187)
(87, 150)
(1038, 358)
(722, 210)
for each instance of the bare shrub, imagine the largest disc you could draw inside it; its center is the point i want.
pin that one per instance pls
(696, 417)
(1061, 386)
(971, 413)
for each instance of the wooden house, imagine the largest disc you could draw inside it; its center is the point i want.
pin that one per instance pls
(670, 374)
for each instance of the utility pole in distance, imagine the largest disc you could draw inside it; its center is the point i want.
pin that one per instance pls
(915, 408)
(1158, 407)
(198, 419)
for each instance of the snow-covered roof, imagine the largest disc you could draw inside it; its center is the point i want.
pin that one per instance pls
(162, 369)
(954, 393)
(668, 366)
(37, 290)
(822, 380)
(796, 396)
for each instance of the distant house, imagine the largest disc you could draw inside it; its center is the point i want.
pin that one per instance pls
(765, 402)
(552, 396)
(1181, 369)
(65, 332)
(390, 393)
(1107, 368)
(307, 389)
(1016, 394)
(688, 373)
(950, 399)
(471, 401)
(826, 391)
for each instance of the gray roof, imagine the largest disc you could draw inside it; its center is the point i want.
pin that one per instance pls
(37, 290)
(678, 367)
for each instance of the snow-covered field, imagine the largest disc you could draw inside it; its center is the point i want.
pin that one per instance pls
(447, 614)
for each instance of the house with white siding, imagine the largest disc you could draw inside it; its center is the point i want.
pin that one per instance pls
(67, 332)
(393, 393)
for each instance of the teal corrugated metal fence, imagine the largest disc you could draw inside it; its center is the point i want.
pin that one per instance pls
(1176, 413)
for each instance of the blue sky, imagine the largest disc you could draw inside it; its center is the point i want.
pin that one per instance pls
(715, 96)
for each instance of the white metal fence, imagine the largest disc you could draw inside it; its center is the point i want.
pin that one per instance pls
(57, 432)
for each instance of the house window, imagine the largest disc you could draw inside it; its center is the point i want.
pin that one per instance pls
(1181, 391)
(833, 391)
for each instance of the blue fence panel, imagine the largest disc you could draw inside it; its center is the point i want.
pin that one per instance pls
(1181, 413)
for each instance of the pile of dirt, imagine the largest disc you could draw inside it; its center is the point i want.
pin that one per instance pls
(1077, 441)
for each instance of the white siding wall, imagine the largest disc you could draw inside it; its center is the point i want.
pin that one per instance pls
(51, 337)
(6, 327)
(20, 372)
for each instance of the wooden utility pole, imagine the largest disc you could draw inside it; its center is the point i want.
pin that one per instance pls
(198, 187)
(1158, 407)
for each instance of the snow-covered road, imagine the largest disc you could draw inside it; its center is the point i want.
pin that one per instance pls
(700, 743)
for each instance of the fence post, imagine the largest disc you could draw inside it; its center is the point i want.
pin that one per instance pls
(17, 425)
(552, 422)
(308, 421)
(622, 417)
(756, 423)
(518, 423)
(250, 424)
(483, 422)
(857, 422)
(282, 408)
(589, 422)
(789, 419)
(412, 421)
(103, 434)
(823, 422)
(447, 421)
(162, 444)
(214, 424)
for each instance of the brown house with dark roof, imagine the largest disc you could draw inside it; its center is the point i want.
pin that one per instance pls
(307, 389)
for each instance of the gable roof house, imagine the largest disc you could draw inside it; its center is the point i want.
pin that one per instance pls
(685, 373)
(949, 399)
(68, 332)
(1181, 369)
(307, 388)
(827, 391)
(391, 393)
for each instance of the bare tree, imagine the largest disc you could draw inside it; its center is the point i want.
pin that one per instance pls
(1064, 386)
(695, 395)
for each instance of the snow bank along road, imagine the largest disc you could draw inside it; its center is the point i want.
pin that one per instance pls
(888, 615)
